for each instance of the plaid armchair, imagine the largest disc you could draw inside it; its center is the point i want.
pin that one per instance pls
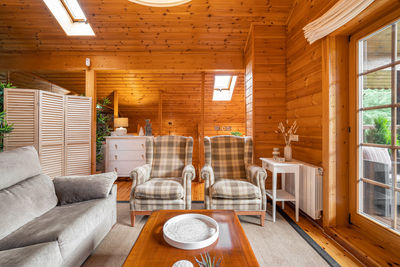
(231, 180)
(164, 182)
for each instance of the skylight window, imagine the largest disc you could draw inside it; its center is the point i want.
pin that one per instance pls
(74, 10)
(223, 87)
(70, 16)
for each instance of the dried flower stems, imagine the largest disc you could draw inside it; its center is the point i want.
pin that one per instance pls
(287, 134)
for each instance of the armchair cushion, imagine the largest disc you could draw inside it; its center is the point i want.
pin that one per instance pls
(160, 188)
(235, 189)
(71, 189)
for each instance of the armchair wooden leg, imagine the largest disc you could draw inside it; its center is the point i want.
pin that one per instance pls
(262, 218)
(133, 218)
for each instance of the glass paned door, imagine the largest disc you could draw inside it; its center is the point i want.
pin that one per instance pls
(379, 126)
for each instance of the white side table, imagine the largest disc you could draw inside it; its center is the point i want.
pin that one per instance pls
(282, 195)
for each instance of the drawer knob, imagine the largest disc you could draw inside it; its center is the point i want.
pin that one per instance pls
(142, 145)
(116, 146)
(116, 169)
(142, 156)
(116, 156)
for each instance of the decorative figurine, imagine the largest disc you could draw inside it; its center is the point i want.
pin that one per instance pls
(148, 128)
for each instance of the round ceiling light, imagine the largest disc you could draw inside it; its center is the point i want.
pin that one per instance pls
(160, 3)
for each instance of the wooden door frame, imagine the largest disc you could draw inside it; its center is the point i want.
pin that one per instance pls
(373, 228)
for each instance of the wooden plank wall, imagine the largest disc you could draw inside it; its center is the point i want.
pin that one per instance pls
(248, 62)
(32, 81)
(266, 69)
(175, 99)
(304, 81)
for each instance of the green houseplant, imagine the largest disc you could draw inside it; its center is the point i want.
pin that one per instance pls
(103, 127)
(5, 127)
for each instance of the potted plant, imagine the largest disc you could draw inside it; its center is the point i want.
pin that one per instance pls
(103, 129)
(5, 127)
(288, 134)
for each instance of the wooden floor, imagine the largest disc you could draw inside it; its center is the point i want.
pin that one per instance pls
(313, 230)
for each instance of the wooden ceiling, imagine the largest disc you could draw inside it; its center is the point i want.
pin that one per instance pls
(120, 25)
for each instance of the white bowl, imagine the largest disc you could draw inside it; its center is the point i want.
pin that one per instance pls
(191, 231)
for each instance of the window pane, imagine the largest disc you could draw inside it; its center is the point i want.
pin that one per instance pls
(376, 125)
(222, 81)
(377, 202)
(377, 88)
(377, 164)
(398, 40)
(377, 49)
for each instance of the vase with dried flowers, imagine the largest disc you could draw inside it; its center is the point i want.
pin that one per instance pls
(288, 133)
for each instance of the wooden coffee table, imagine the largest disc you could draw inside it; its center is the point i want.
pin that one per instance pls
(232, 245)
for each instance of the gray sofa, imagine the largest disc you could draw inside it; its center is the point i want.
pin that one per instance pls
(34, 229)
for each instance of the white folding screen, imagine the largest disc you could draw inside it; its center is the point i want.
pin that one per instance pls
(51, 133)
(21, 107)
(77, 135)
(59, 127)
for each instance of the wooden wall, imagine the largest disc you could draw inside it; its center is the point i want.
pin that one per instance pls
(265, 67)
(31, 81)
(304, 81)
(174, 99)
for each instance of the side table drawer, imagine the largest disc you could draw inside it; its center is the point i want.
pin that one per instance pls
(124, 167)
(127, 144)
(129, 155)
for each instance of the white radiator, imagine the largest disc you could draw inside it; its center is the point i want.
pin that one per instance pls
(310, 189)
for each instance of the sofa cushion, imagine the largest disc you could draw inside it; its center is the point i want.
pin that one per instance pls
(17, 165)
(234, 189)
(43, 255)
(70, 225)
(160, 188)
(71, 189)
(23, 202)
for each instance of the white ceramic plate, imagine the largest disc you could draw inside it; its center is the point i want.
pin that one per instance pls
(191, 231)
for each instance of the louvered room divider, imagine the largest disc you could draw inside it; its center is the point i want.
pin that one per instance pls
(59, 126)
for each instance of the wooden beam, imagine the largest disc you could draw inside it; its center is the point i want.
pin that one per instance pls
(328, 132)
(115, 103)
(160, 111)
(201, 126)
(90, 91)
(139, 61)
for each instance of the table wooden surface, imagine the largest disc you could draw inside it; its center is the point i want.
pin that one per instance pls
(232, 245)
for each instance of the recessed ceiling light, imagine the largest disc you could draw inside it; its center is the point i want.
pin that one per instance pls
(70, 16)
(160, 3)
(223, 87)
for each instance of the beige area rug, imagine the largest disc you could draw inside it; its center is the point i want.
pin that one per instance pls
(275, 244)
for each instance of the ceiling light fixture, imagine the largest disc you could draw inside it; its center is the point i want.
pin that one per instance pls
(160, 3)
(70, 16)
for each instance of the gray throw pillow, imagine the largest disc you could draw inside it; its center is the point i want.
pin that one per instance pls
(71, 189)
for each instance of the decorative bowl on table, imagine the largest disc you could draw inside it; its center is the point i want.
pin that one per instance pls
(191, 231)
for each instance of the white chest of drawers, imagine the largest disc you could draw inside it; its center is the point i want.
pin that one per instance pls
(125, 153)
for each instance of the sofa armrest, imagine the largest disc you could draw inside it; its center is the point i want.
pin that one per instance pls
(189, 172)
(71, 189)
(140, 175)
(257, 176)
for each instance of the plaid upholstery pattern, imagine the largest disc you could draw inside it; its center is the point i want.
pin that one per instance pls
(226, 155)
(152, 187)
(169, 156)
(160, 188)
(207, 174)
(235, 189)
(248, 150)
(189, 173)
(157, 204)
(228, 162)
(140, 175)
(236, 204)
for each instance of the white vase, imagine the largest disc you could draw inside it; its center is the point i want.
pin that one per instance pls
(288, 153)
